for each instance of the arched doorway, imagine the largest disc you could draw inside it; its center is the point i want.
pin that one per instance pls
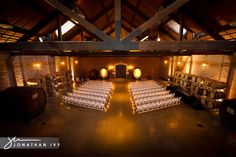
(121, 71)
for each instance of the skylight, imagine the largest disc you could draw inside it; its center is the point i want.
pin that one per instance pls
(175, 27)
(65, 27)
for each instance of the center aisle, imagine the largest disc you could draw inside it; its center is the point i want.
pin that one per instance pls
(120, 101)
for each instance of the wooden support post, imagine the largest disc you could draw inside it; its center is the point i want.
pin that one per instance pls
(181, 28)
(117, 13)
(191, 64)
(230, 93)
(59, 29)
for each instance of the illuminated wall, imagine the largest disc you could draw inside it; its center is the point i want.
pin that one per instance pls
(211, 66)
(150, 66)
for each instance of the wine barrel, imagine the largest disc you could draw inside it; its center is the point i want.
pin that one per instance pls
(203, 101)
(227, 112)
(216, 95)
(200, 91)
(93, 74)
(193, 78)
(182, 75)
(199, 80)
(22, 102)
(205, 92)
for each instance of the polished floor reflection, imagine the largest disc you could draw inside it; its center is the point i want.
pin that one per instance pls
(175, 131)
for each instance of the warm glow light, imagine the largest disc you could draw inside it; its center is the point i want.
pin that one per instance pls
(165, 62)
(178, 62)
(103, 73)
(37, 65)
(130, 67)
(110, 67)
(204, 65)
(32, 83)
(158, 39)
(62, 63)
(137, 73)
(76, 62)
(65, 27)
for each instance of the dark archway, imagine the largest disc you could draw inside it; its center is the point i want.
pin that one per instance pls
(120, 71)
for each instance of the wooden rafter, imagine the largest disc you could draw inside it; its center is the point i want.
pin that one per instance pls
(84, 23)
(157, 19)
(35, 30)
(203, 24)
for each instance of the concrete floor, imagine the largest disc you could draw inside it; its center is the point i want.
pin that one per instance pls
(175, 131)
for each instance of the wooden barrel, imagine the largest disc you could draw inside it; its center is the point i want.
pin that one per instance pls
(200, 91)
(227, 112)
(93, 74)
(199, 80)
(216, 95)
(196, 90)
(182, 75)
(203, 101)
(193, 78)
(23, 102)
(205, 92)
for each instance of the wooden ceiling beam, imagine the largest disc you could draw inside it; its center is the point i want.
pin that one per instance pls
(79, 20)
(40, 25)
(135, 9)
(156, 20)
(203, 24)
(116, 53)
(197, 45)
(93, 19)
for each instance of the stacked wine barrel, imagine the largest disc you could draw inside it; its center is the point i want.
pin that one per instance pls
(64, 82)
(50, 84)
(210, 92)
(22, 102)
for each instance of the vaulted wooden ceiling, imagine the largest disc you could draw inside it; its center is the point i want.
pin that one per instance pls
(203, 19)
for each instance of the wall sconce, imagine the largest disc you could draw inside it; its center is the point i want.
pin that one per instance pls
(37, 66)
(204, 65)
(130, 67)
(178, 62)
(165, 61)
(110, 67)
(62, 63)
(76, 62)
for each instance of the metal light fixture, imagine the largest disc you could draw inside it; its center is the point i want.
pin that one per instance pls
(137, 73)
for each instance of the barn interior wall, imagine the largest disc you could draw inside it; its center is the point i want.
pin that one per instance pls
(150, 66)
(4, 76)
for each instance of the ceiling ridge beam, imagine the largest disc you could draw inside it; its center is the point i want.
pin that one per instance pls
(79, 20)
(156, 20)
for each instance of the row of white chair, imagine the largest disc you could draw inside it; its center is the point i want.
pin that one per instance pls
(91, 94)
(149, 96)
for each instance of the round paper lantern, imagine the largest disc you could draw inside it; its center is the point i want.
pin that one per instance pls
(137, 73)
(103, 73)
